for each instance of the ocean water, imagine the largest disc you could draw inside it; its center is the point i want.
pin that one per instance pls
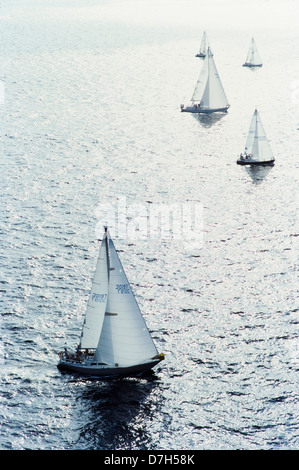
(90, 115)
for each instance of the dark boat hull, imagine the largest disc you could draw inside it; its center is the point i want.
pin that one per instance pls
(252, 65)
(248, 162)
(107, 371)
(192, 109)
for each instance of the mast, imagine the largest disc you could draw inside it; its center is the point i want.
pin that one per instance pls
(252, 52)
(107, 252)
(255, 146)
(251, 133)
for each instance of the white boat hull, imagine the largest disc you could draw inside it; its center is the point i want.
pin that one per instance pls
(197, 110)
(92, 369)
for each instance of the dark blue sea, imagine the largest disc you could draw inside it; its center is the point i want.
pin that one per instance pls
(89, 121)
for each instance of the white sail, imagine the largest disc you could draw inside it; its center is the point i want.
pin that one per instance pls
(251, 132)
(201, 82)
(96, 306)
(204, 44)
(257, 145)
(125, 339)
(253, 56)
(209, 90)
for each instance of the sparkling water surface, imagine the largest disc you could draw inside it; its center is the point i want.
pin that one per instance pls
(91, 114)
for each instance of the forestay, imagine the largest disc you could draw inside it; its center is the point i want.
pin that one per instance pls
(97, 302)
(250, 135)
(201, 82)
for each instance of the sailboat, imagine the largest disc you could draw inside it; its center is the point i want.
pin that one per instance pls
(115, 340)
(257, 147)
(209, 95)
(253, 57)
(203, 46)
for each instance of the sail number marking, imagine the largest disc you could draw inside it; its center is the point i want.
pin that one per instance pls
(99, 297)
(122, 288)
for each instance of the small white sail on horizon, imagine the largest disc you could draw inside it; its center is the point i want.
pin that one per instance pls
(209, 95)
(203, 46)
(115, 340)
(257, 147)
(253, 57)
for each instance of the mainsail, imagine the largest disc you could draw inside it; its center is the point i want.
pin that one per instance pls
(209, 90)
(124, 339)
(257, 145)
(96, 306)
(253, 56)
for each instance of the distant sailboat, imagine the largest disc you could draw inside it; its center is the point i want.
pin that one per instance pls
(253, 57)
(209, 95)
(115, 340)
(204, 46)
(257, 147)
